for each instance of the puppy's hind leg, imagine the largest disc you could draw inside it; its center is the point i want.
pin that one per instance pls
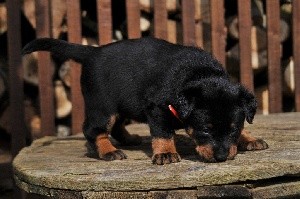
(98, 140)
(120, 134)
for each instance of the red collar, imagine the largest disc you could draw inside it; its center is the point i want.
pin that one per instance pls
(174, 112)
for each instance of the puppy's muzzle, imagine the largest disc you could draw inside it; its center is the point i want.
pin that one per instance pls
(209, 153)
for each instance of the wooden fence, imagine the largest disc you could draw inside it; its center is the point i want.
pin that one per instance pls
(104, 14)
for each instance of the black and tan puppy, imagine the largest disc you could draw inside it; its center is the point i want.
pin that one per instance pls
(165, 85)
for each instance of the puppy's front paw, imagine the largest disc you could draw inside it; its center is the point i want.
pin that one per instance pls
(257, 144)
(247, 142)
(114, 155)
(165, 158)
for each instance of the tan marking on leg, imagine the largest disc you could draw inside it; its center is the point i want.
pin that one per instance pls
(206, 152)
(247, 142)
(232, 152)
(189, 131)
(245, 137)
(161, 145)
(111, 122)
(104, 145)
(164, 151)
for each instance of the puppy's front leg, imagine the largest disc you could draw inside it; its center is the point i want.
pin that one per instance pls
(247, 142)
(163, 145)
(164, 151)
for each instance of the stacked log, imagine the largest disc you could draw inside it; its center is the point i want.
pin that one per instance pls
(59, 11)
(258, 45)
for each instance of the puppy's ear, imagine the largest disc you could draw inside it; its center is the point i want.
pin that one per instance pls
(249, 104)
(184, 105)
(185, 100)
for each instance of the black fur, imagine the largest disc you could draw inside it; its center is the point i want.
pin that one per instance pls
(139, 78)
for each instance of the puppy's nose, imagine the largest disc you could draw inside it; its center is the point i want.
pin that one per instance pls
(221, 155)
(221, 158)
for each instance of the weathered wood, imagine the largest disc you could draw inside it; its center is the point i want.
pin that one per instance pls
(3, 18)
(45, 67)
(74, 36)
(199, 12)
(296, 51)
(244, 18)
(104, 14)
(16, 95)
(160, 19)
(3, 87)
(148, 5)
(17, 125)
(188, 23)
(53, 165)
(58, 12)
(133, 18)
(274, 56)
(172, 31)
(218, 30)
(206, 25)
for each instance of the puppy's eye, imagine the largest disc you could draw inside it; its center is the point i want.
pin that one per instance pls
(210, 126)
(234, 132)
(207, 129)
(205, 134)
(233, 127)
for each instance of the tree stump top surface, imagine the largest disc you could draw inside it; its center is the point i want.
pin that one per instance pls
(59, 167)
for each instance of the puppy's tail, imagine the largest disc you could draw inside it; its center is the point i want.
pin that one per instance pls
(59, 48)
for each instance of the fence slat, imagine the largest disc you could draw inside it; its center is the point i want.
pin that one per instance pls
(274, 69)
(45, 67)
(218, 31)
(244, 17)
(296, 50)
(16, 96)
(188, 22)
(160, 19)
(133, 18)
(74, 36)
(104, 14)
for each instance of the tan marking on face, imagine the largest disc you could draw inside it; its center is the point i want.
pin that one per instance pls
(161, 145)
(104, 145)
(232, 152)
(245, 137)
(205, 151)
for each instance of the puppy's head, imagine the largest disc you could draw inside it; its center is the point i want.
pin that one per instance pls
(214, 111)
